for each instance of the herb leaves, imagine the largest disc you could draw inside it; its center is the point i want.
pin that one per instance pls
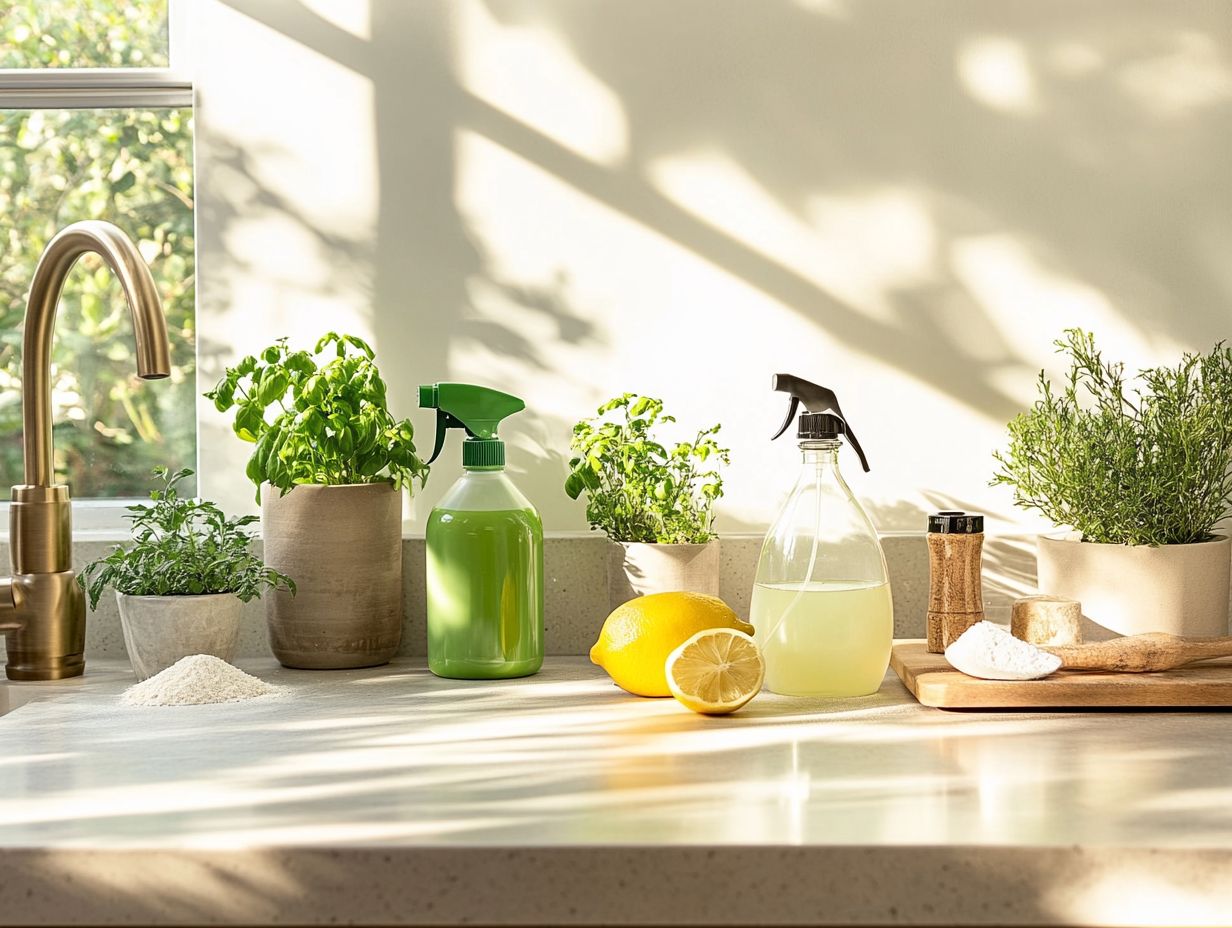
(637, 490)
(182, 547)
(331, 422)
(1148, 465)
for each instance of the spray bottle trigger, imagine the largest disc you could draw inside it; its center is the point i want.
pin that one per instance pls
(440, 435)
(444, 422)
(816, 399)
(791, 415)
(856, 444)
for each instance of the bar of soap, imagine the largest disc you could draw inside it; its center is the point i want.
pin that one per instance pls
(1047, 620)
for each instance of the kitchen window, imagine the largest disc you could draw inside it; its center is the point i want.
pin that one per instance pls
(96, 123)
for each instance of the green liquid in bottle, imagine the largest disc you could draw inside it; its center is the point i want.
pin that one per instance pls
(485, 593)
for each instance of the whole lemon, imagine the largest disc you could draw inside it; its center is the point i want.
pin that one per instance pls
(637, 637)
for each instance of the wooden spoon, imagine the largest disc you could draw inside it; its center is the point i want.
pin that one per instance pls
(1141, 653)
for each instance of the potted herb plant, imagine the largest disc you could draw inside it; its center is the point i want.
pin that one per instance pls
(180, 585)
(655, 504)
(1144, 475)
(333, 462)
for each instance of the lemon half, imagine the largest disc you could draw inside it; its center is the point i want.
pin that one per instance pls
(716, 671)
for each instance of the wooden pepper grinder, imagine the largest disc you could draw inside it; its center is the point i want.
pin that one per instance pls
(955, 594)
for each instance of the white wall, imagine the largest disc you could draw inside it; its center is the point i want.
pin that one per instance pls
(904, 200)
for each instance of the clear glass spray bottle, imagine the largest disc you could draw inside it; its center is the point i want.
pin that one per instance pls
(821, 605)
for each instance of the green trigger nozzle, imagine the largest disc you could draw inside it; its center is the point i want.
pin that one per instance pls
(476, 410)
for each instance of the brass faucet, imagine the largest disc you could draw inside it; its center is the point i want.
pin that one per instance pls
(42, 610)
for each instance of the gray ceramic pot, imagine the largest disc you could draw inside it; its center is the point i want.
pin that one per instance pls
(636, 569)
(159, 630)
(1131, 589)
(342, 546)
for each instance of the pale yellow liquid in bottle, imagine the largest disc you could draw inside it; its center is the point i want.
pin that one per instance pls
(824, 638)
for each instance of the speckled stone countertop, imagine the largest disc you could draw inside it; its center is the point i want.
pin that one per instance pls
(389, 796)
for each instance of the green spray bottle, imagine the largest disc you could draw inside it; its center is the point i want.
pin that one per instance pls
(485, 548)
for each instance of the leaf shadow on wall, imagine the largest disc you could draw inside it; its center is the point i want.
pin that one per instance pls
(241, 195)
(423, 266)
(1065, 168)
(1033, 164)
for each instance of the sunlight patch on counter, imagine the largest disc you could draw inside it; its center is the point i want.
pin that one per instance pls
(1134, 896)
(318, 834)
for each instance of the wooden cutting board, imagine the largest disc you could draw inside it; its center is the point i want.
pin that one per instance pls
(934, 682)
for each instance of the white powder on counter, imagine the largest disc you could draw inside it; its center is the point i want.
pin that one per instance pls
(198, 680)
(990, 652)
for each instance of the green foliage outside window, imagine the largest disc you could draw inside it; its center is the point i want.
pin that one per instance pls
(83, 34)
(130, 167)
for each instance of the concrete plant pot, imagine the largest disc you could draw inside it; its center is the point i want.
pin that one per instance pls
(159, 630)
(1131, 589)
(342, 545)
(637, 569)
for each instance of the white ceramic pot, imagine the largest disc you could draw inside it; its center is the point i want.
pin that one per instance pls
(1131, 589)
(637, 569)
(159, 630)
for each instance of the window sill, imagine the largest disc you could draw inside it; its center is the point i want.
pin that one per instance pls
(70, 88)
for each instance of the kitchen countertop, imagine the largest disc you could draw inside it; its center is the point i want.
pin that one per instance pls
(390, 796)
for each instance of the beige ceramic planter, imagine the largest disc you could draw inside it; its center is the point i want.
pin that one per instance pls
(1131, 589)
(159, 630)
(635, 569)
(342, 546)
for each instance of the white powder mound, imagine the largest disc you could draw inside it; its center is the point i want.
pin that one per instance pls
(990, 652)
(198, 680)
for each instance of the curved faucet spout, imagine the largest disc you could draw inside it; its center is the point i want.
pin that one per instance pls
(153, 353)
(42, 609)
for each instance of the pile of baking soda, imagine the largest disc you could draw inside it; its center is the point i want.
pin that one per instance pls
(990, 652)
(198, 680)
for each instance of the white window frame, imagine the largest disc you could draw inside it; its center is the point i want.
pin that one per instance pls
(104, 88)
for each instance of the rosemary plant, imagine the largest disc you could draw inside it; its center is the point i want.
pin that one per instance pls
(1149, 464)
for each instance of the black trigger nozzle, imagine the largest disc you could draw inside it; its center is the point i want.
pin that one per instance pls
(822, 419)
(791, 415)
